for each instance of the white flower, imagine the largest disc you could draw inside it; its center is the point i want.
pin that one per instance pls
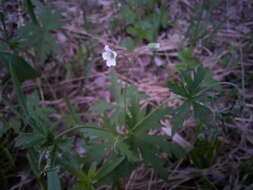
(154, 46)
(109, 56)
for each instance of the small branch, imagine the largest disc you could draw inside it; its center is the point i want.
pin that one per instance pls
(242, 76)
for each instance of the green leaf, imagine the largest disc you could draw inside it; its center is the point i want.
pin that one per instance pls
(37, 115)
(138, 32)
(101, 134)
(134, 115)
(129, 43)
(71, 164)
(200, 75)
(33, 159)
(204, 153)
(102, 106)
(71, 117)
(201, 112)
(2, 131)
(156, 162)
(15, 124)
(113, 162)
(187, 78)
(125, 150)
(21, 68)
(96, 152)
(92, 170)
(177, 89)
(152, 120)
(162, 144)
(38, 37)
(128, 14)
(51, 19)
(17, 86)
(180, 116)
(53, 180)
(176, 150)
(164, 17)
(28, 140)
(133, 96)
(187, 57)
(107, 123)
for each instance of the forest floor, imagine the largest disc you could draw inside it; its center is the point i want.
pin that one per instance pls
(221, 38)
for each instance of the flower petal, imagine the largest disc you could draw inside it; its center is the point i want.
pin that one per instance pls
(114, 54)
(111, 62)
(109, 56)
(107, 48)
(106, 55)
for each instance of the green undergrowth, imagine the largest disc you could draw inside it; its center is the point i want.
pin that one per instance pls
(124, 135)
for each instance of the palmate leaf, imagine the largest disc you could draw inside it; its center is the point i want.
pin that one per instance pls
(72, 164)
(128, 14)
(178, 89)
(38, 114)
(126, 151)
(187, 57)
(113, 162)
(124, 169)
(200, 75)
(28, 140)
(71, 117)
(128, 43)
(37, 37)
(38, 34)
(126, 106)
(33, 159)
(109, 124)
(201, 112)
(161, 144)
(180, 116)
(51, 19)
(204, 152)
(102, 106)
(100, 134)
(22, 69)
(189, 83)
(133, 96)
(150, 121)
(96, 152)
(134, 115)
(150, 158)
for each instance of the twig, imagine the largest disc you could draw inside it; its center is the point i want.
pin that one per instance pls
(242, 76)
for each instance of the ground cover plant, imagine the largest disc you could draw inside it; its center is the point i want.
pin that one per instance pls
(145, 94)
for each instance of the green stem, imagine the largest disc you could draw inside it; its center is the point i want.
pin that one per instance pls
(6, 34)
(17, 86)
(30, 10)
(79, 127)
